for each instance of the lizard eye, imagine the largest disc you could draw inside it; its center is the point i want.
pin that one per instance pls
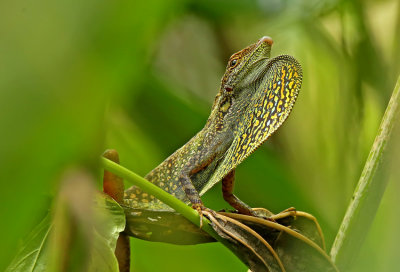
(233, 63)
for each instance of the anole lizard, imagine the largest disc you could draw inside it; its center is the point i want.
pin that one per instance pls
(256, 96)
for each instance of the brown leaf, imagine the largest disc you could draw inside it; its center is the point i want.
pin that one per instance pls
(288, 241)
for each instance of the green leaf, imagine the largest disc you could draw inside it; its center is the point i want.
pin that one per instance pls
(102, 255)
(32, 256)
(110, 219)
(163, 226)
(108, 223)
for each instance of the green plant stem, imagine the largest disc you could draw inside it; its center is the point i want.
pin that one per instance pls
(369, 191)
(160, 194)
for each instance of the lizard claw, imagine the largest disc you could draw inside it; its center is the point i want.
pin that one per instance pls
(200, 208)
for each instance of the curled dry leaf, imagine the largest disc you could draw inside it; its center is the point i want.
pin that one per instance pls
(288, 241)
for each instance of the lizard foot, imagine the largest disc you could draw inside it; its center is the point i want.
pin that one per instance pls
(263, 213)
(290, 210)
(200, 208)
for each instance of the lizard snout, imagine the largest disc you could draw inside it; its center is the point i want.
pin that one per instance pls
(266, 39)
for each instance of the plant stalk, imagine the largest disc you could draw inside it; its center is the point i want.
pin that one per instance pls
(160, 194)
(369, 191)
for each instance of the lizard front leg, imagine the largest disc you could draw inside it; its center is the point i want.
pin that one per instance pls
(191, 191)
(195, 165)
(227, 191)
(193, 196)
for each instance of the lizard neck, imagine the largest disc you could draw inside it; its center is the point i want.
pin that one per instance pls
(218, 130)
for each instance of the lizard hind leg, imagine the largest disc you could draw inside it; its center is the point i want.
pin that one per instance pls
(227, 191)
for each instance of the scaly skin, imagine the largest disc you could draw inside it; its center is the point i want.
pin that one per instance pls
(256, 96)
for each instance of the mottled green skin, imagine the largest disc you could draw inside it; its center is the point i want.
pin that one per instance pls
(255, 97)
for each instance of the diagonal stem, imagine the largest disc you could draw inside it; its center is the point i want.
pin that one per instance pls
(159, 193)
(369, 191)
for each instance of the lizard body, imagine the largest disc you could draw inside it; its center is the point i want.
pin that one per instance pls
(256, 95)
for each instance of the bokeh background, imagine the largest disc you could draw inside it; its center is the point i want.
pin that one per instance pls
(77, 77)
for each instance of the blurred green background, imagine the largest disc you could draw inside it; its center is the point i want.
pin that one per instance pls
(77, 77)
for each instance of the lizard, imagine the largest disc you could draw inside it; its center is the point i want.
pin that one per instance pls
(255, 97)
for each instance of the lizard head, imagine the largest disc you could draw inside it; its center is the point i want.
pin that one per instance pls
(242, 76)
(242, 63)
